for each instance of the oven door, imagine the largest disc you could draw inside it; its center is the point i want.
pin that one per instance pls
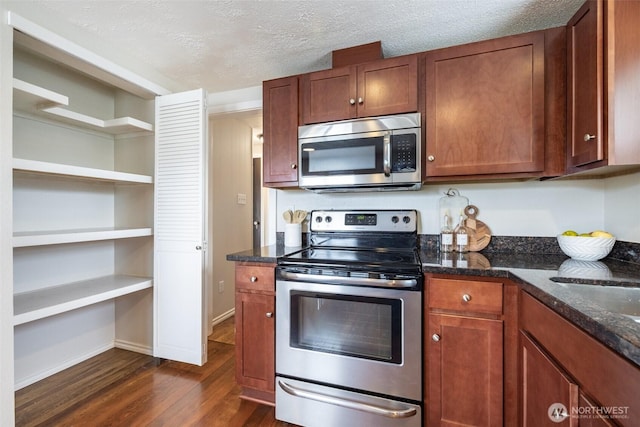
(356, 337)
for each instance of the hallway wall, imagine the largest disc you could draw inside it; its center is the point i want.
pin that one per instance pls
(230, 221)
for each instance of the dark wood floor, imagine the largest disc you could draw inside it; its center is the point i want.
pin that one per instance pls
(122, 388)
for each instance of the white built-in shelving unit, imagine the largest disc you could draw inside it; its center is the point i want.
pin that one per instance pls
(35, 305)
(47, 168)
(82, 205)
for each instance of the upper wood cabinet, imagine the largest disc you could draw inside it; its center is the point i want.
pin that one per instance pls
(495, 108)
(280, 132)
(388, 86)
(603, 47)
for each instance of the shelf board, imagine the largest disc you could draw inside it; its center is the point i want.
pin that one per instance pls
(34, 305)
(35, 166)
(115, 126)
(29, 97)
(56, 237)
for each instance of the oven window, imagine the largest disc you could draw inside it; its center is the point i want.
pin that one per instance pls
(354, 156)
(365, 327)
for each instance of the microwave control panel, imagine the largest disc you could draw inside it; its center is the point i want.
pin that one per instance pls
(403, 153)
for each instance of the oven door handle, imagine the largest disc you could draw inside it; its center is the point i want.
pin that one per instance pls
(347, 403)
(362, 281)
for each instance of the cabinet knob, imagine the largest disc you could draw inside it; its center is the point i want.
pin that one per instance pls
(588, 137)
(466, 297)
(294, 166)
(435, 337)
(198, 248)
(253, 279)
(431, 158)
(360, 101)
(352, 101)
(269, 314)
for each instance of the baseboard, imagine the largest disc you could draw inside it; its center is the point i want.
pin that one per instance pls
(224, 316)
(69, 363)
(131, 346)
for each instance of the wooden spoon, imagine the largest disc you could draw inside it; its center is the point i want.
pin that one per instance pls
(299, 216)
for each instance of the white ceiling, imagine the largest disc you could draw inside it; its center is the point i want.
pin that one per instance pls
(225, 45)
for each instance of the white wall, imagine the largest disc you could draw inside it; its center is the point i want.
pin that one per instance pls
(622, 205)
(531, 208)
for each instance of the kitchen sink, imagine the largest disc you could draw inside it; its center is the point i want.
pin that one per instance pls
(616, 299)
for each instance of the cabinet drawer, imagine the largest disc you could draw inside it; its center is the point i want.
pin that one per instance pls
(255, 277)
(465, 295)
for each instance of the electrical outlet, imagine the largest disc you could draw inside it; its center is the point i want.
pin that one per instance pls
(221, 286)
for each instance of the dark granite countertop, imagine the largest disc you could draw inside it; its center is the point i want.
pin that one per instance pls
(266, 254)
(591, 295)
(601, 297)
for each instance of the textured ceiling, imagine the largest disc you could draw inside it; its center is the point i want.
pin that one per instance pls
(226, 45)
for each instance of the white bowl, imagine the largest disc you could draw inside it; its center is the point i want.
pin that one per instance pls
(574, 268)
(584, 248)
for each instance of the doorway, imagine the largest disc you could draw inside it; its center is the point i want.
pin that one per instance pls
(257, 202)
(235, 200)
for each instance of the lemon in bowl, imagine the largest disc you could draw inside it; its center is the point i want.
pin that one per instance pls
(586, 246)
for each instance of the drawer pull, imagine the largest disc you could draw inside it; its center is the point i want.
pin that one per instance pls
(466, 297)
(253, 279)
(435, 337)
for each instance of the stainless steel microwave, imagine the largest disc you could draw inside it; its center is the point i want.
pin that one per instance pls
(370, 154)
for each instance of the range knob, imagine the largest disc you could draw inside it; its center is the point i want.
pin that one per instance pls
(406, 219)
(328, 219)
(318, 219)
(395, 219)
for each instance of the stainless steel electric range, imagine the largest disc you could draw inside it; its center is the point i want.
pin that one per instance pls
(349, 323)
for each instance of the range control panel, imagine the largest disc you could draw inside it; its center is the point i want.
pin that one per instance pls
(405, 221)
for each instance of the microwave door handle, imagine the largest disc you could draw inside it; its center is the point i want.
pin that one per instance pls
(386, 161)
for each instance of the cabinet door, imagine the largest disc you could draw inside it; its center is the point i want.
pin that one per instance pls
(591, 414)
(329, 95)
(255, 341)
(180, 331)
(464, 364)
(585, 85)
(485, 107)
(280, 130)
(388, 87)
(548, 396)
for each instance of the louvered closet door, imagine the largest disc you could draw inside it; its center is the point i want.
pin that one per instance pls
(180, 206)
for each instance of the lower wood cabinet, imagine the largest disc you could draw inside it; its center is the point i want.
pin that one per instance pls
(549, 396)
(464, 371)
(255, 331)
(470, 348)
(568, 378)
